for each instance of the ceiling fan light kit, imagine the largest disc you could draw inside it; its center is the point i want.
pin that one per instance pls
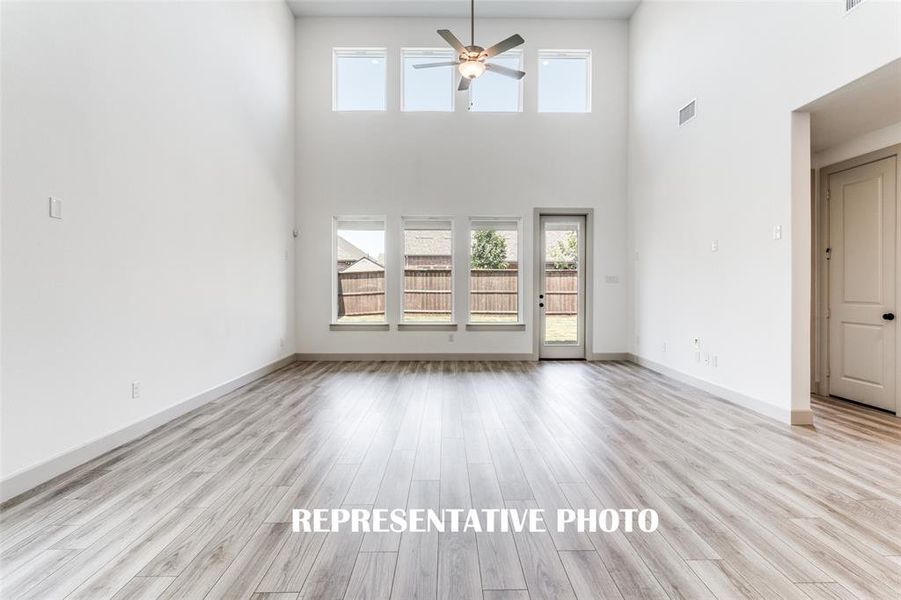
(471, 60)
(471, 68)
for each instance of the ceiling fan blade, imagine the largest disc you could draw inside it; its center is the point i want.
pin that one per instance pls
(511, 42)
(464, 84)
(450, 63)
(452, 40)
(505, 71)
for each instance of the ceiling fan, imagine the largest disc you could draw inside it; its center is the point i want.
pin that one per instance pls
(471, 60)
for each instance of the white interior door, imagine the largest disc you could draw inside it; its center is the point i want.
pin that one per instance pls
(561, 289)
(862, 279)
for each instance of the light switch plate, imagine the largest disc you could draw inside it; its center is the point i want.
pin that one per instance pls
(56, 208)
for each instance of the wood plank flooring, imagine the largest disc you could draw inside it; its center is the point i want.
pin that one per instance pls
(201, 507)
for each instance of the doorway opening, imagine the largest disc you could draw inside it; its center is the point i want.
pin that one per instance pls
(859, 224)
(855, 160)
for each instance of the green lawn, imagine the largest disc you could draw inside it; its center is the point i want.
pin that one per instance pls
(362, 319)
(427, 318)
(488, 318)
(561, 328)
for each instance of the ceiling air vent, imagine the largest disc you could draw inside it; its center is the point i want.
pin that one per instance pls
(687, 112)
(852, 4)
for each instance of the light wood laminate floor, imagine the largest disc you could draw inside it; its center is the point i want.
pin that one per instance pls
(200, 508)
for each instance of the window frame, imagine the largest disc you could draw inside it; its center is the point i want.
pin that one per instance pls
(519, 83)
(334, 323)
(550, 53)
(403, 323)
(452, 80)
(520, 295)
(339, 51)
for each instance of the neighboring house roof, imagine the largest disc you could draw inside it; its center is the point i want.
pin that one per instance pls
(438, 243)
(364, 265)
(553, 236)
(348, 252)
(427, 243)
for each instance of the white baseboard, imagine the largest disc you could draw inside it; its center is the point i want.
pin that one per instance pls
(605, 356)
(33, 476)
(382, 356)
(792, 417)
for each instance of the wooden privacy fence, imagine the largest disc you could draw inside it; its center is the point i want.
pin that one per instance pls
(361, 293)
(427, 290)
(492, 291)
(562, 294)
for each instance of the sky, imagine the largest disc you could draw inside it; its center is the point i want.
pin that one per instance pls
(562, 84)
(370, 242)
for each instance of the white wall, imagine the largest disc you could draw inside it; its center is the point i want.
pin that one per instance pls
(167, 131)
(727, 175)
(456, 164)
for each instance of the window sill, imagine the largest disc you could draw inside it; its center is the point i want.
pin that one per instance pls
(427, 327)
(359, 327)
(495, 327)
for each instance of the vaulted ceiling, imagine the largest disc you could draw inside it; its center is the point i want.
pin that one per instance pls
(564, 9)
(864, 105)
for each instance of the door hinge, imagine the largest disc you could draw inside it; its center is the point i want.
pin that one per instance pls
(828, 253)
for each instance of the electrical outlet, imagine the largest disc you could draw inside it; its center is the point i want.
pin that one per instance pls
(714, 245)
(56, 208)
(450, 337)
(696, 343)
(135, 389)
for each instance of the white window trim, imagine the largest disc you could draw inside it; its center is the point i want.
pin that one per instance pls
(519, 83)
(402, 323)
(374, 52)
(563, 53)
(334, 324)
(452, 80)
(519, 270)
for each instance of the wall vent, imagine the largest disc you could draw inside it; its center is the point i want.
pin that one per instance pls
(852, 4)
(687, 112)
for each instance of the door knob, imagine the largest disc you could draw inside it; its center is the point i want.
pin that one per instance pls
(889, 316)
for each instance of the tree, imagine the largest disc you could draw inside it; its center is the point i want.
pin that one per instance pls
(565, 253)
(489, 250)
